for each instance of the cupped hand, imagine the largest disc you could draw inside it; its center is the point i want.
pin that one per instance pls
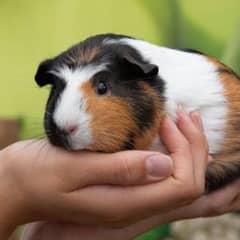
(217, 203)
(188, 149)
(39, 181)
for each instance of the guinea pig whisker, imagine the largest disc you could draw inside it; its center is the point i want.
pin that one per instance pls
(38, 136)
(34, 141)
(43, 147)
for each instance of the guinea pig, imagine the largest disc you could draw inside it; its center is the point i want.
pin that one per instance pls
(110, 92)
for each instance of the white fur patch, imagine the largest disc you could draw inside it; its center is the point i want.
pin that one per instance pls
(71, 106)
(191, 80)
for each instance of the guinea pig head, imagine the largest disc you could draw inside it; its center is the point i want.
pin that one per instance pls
(103, 98)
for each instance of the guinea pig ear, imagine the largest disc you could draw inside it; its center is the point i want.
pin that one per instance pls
(140, 69)
(43, 75)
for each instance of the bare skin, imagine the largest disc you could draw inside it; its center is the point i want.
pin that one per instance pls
(217, 203)
(224, 201)
(108, 190)
(41, 181)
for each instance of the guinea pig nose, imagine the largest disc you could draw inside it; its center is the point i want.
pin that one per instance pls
(71, 129)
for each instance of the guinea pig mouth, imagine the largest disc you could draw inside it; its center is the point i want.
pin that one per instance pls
(65, 140)
(59, 138)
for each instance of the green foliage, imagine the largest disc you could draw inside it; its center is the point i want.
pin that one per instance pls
(209, 25)
(156, 234)
(167, 18)
(232, 52)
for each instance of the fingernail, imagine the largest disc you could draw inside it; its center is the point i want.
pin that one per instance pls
(159, 166)
(180, 111)
(198, 118)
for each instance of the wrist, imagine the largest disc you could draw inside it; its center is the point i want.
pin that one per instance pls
(5, 225)
(11, 198)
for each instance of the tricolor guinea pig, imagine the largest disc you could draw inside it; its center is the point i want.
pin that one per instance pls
(110, 92)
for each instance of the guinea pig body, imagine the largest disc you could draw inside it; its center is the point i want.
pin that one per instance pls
(110, 93)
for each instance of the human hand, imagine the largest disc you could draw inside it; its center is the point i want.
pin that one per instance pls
(217, 203)
(39, 181)
(53, 231)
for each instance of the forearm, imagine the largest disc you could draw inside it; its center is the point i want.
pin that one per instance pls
(5, 226)
(9, 201)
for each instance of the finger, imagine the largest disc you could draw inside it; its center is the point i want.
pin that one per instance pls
(192, 129)
(196, 119)
(214, 204)
(130, 202)
(224, 200)
(178, 147)
(200, 163)
(123, 168)
(198, 209)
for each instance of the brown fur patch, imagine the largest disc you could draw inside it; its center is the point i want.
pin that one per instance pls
(232, 94)
(111, 120)
(82, 56)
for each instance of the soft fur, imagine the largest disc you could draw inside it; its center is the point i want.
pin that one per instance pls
(144, 82)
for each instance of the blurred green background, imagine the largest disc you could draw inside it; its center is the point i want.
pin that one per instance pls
(34, 30)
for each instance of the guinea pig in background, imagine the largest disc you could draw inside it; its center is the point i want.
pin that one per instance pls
(110, 92)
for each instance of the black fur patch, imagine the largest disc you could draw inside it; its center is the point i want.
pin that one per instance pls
(221, 173)
(129, 144)
(55, 135)
(191, 51)
(90, 43)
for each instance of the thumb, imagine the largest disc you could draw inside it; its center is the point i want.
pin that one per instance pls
(127, 168)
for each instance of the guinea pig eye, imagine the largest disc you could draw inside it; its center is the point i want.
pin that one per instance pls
(101, 88)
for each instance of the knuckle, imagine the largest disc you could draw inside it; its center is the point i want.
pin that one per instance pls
(128, 172)
(123, 173)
